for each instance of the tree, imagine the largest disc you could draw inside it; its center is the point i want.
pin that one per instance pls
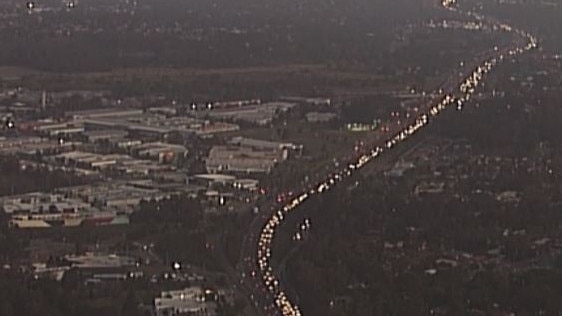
(130, 305)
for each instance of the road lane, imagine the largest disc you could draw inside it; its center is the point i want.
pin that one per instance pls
(255, 267)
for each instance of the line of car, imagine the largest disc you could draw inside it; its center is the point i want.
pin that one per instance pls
(281, 303)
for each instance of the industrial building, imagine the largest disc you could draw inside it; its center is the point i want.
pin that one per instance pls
(93, 204)
(32, 145)
(319, 117)
(262, 144)
(161, 152)
(103, 113)
(43, 210)
(104, 135)
(37, 203)
(210, 180)
(261, 114)
(122, 195)
(99, 261)
(242, 160)
(123, 164)
(87, 160)
(155, 125)
(61, 129)
(247, 155)
(189, 301)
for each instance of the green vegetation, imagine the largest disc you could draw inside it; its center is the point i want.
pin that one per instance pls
(380, 249)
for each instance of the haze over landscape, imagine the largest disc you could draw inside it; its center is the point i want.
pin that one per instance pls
(245, 157)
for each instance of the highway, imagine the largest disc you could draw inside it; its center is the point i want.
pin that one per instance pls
(258, 279)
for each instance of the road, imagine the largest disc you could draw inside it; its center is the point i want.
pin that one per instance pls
(258, 279)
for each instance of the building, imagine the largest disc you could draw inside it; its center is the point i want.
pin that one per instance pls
(309, 101)
(99, 261)
(41, 270)
(38, 203)
(317, 117)
(429, 188)
(247, 155)
(246, 184)
(190, 301)
(261, 114)
(207, 128)
(44, 210)
(123, 164)
(159, 126)
(61, 129)
(210, 179)
(103, 113)
(121, 195)
(32, 145)
(161, 152)
(262, 144)
(105, 135)
(124, 143)
(242, 160)
(80, 159)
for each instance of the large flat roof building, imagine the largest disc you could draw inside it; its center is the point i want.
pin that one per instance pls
(44, 210)
(261, 144)
(241, 160)
(189, 301)
(99, 135)
(31, 145)
(162, 152)
(101, 113)
(261, 114)
(159, 125)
